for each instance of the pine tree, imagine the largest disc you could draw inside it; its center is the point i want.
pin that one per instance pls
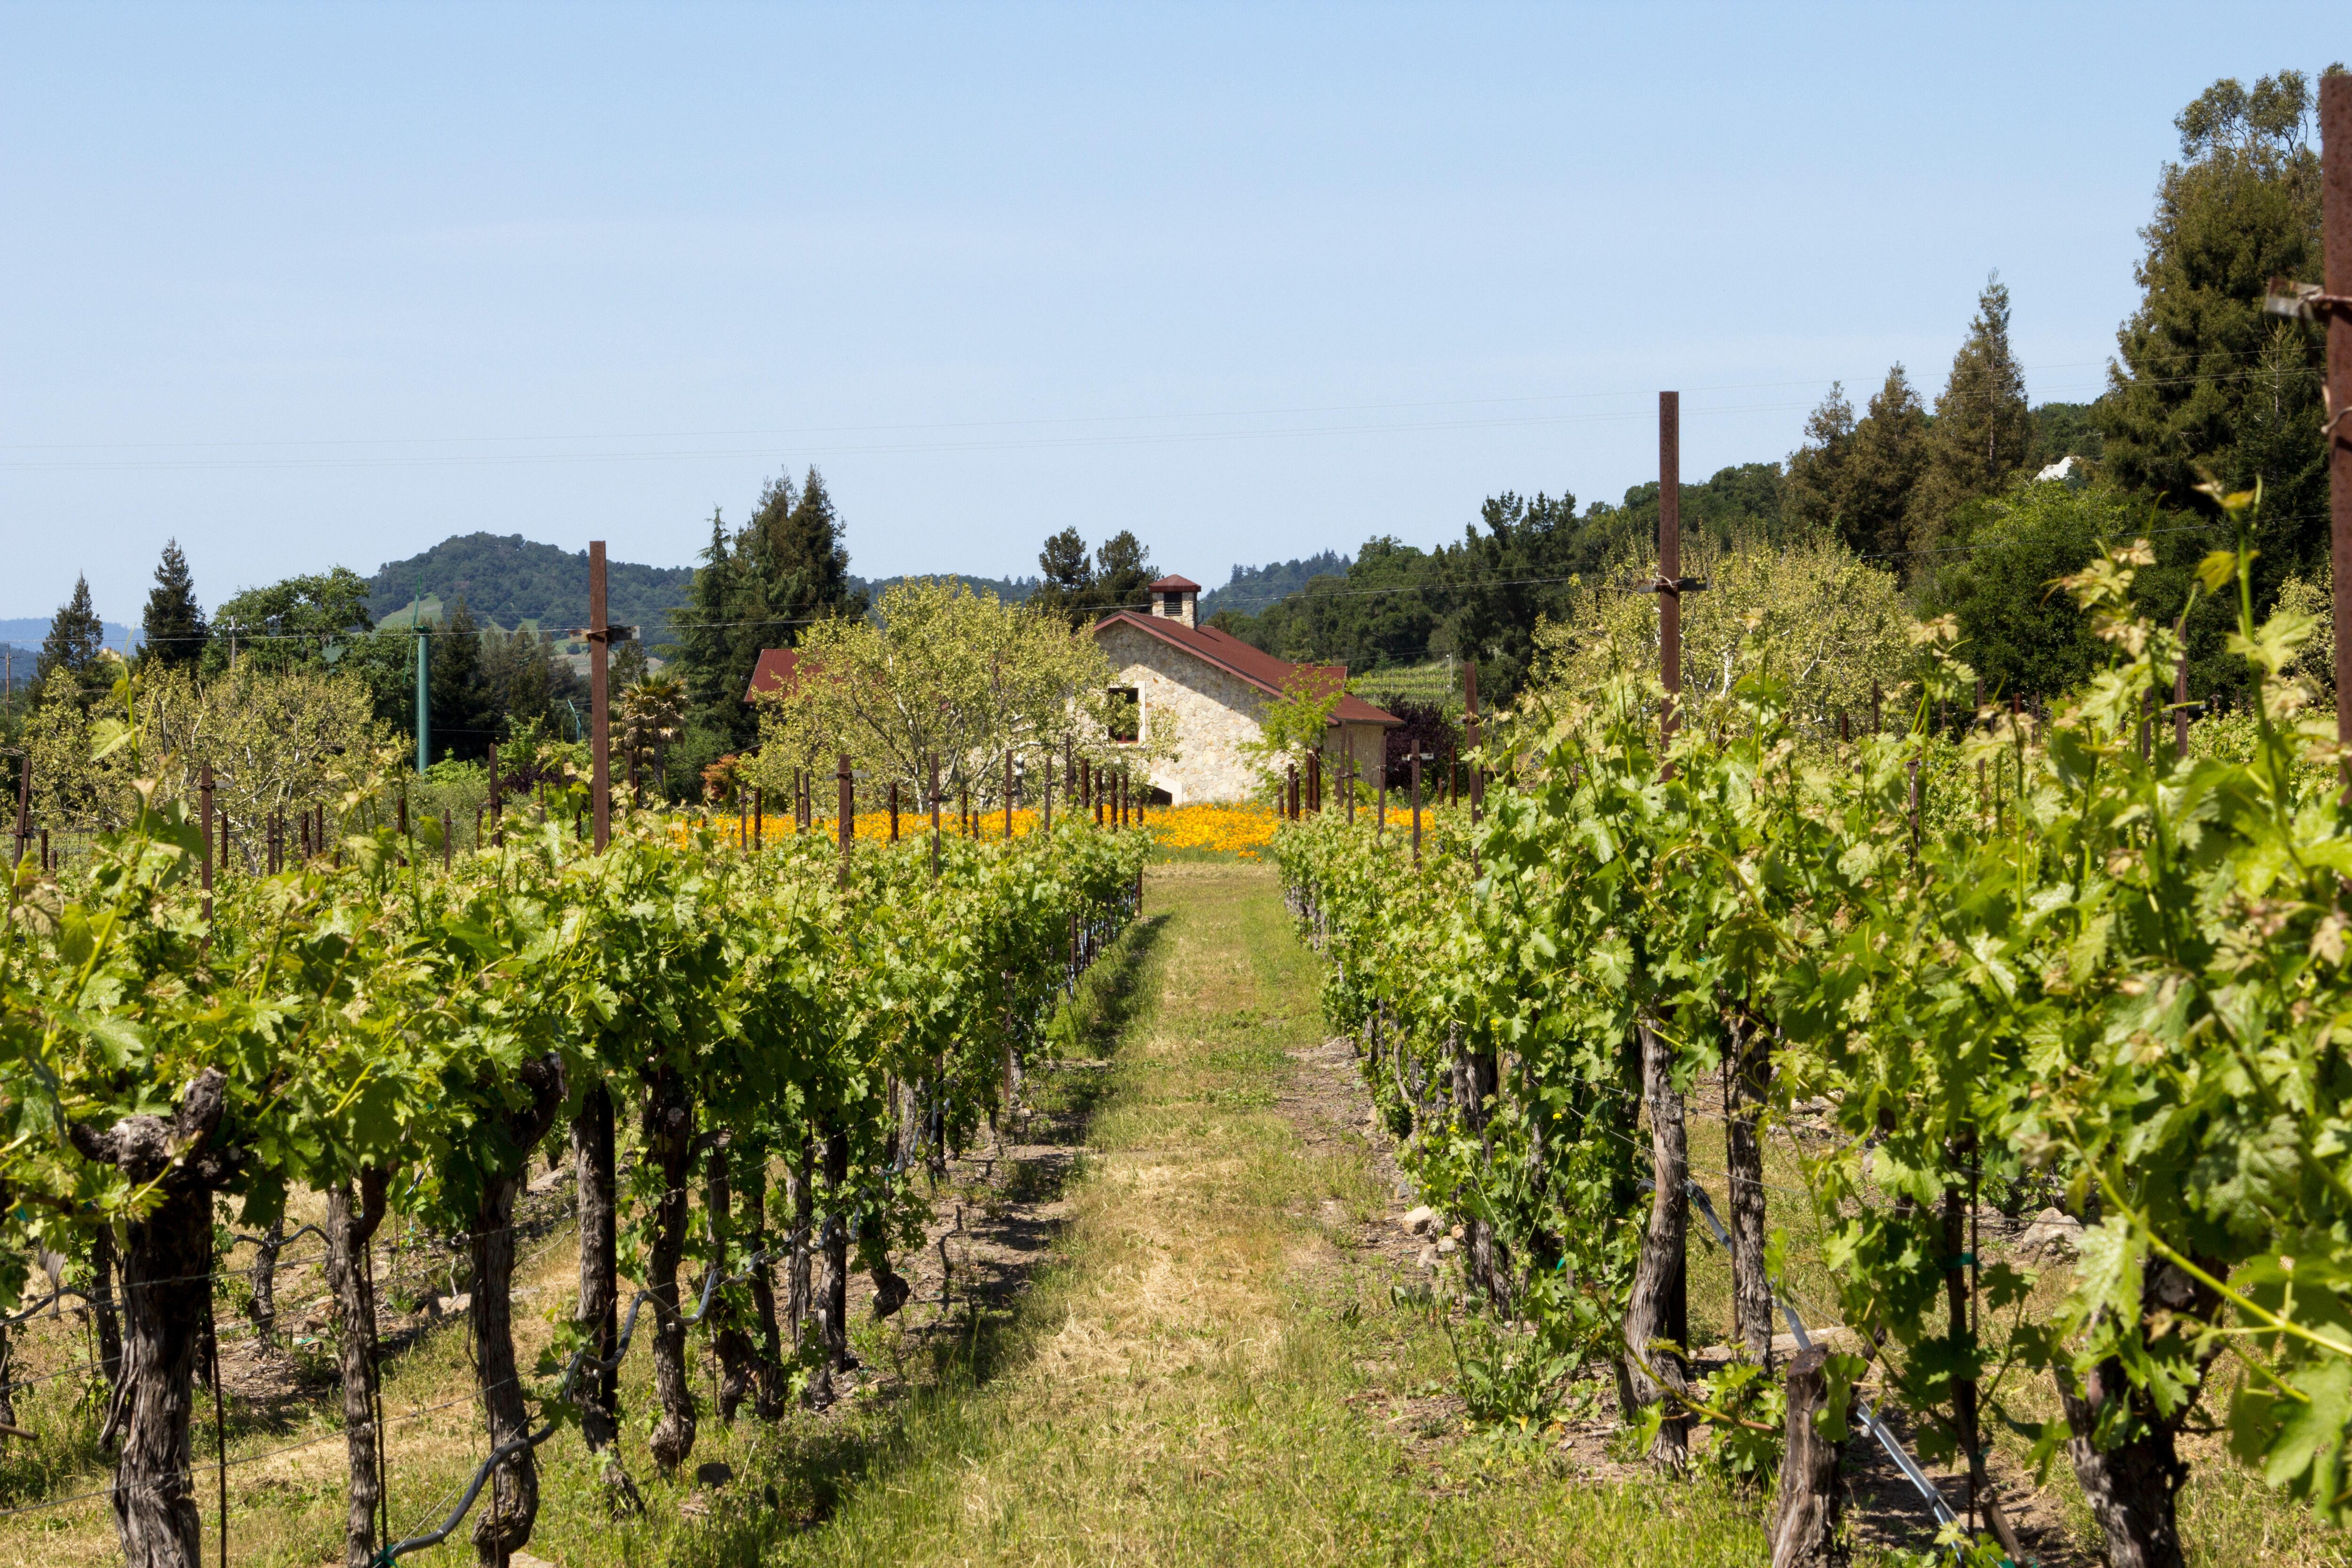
(173, 630)
(1068, 577)
(1983, 430)
(809, 564)
(464, 717)
(1816, 483)
(76, 638)
(1857, 476)
(1890, 459)
(2204, 378)
(1122, 569)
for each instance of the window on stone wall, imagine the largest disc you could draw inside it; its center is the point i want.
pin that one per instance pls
(1126, 715)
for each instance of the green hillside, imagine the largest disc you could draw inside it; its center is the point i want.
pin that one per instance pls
(509, 579)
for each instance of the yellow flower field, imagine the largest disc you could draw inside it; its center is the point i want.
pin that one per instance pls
(1242, 831)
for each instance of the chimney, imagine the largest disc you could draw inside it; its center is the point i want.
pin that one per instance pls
(1176, 599)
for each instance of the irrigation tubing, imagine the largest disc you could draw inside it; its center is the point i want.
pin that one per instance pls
(1869, 1422)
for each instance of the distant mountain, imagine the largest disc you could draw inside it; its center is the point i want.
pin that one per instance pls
(1253, 588)
(509, 579)
(29, 631)
(1012, 590)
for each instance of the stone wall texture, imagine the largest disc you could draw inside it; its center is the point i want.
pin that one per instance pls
(1216, 713)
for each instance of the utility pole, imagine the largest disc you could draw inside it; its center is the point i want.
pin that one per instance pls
(424, 675)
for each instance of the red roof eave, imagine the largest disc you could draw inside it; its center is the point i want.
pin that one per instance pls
(1352, 709)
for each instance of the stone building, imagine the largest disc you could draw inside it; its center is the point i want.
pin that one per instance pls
(1218, 687)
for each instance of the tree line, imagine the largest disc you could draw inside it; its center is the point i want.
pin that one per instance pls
(1944, 497)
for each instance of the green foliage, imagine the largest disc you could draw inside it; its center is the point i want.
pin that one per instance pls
(1252, 588)
(75, 646)
(1296, 724)
(1856, 478)
(1982, 432)
(1483, 597)
(172, 631)
(1807, 613)
(1081, 591)
(941, 672)
(511, 580)
(762, 586)
(2203, 372)
(2021, 631)
(2124, 973)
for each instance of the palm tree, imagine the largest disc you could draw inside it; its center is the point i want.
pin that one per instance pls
(652, 716)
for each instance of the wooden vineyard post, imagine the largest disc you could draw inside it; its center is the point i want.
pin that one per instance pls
(894, 811)
(449, 839)
(1045, 799)
(498, 816)
(759, 816)
(1008, 795)
(600, 766)
(1805, 1513)
(935, 817)
(1348, 741)
(848, 808)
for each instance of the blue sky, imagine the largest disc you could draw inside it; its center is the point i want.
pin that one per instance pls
(313, 285)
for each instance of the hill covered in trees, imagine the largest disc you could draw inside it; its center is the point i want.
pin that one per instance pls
(508, 579)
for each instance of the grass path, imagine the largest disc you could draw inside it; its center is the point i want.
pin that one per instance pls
(1201, 1377)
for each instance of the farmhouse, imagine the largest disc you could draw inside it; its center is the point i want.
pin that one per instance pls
(1217, 687)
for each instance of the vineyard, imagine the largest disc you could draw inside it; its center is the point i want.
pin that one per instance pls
(789, 1039)
(1983, 965)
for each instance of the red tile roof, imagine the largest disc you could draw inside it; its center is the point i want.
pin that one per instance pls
(1256, 665)
(779, 670)
(1173, 584)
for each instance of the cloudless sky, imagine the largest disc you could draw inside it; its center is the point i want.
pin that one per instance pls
(325, 284)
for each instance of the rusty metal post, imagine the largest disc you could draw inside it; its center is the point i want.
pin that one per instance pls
(449, 839)
(1045, 798)
(848, 809)
(894, 811)
(497, 802)
(204, 815)
(600, 766)
(1416, 811)
(1875, 728)
(1380, 821)
(1470, 724)
(1008, 795)
(1348, 745)
(1670, 560)
(1290, 793)
(935, 817)
(2181, 699)
(47, 866)
(2336, 184)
